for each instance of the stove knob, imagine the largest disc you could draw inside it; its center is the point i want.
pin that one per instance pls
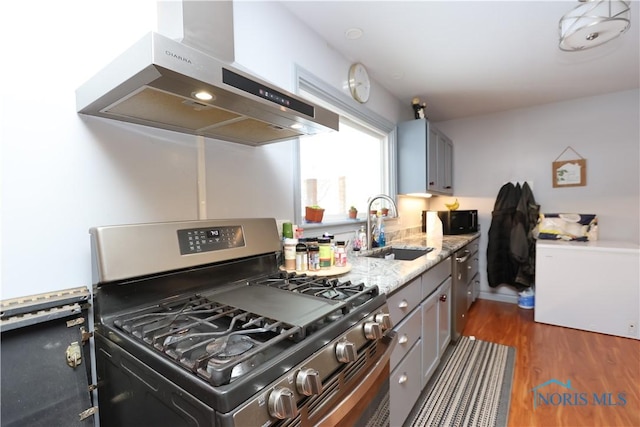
(308, 382)
(282, 403)
(384, 319)
(373, 331)
(346, 352)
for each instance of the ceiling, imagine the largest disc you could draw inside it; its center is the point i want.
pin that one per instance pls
(468, 58)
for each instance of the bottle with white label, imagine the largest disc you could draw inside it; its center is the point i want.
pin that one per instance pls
(341, 254)
(364, 245)
(302, 260)
(290, 253)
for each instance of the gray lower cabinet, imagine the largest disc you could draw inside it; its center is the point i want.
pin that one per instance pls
(420, 312)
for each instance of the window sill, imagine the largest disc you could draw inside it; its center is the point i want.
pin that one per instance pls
(324, 224)
(312, 229)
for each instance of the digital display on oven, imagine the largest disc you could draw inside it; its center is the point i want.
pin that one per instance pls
(197, 240)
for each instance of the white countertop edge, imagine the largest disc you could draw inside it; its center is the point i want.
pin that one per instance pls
(602, 245)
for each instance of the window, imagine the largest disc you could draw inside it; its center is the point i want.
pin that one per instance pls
(341, 169)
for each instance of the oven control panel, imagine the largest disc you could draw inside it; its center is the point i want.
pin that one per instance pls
(197, 240)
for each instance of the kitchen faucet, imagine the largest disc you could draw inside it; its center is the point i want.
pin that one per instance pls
(369, 225)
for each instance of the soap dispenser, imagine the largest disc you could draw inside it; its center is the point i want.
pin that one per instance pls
(382, 238)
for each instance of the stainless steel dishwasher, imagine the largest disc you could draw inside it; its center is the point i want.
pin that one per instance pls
(462, 266)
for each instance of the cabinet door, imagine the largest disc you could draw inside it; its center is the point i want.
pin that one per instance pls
(445, 171)
(430, 349)
(444, 316)
(433, 159)
(412, 156)
(404, 387)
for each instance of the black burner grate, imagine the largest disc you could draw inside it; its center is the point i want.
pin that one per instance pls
(204, 336)
(218, 335)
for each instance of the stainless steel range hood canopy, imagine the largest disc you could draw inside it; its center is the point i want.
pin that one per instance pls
(155, 83)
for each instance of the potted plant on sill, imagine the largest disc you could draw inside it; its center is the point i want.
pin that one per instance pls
(353, 212)
(313, 213)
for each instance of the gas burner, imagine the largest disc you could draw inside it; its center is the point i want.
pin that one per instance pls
(241, 368)
(230, 346)
(321, 287)
(174, 338)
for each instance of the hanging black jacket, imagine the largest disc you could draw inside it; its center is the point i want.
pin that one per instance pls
(523, 245)
(501, 267)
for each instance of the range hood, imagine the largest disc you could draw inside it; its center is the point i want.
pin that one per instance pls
(155, 83)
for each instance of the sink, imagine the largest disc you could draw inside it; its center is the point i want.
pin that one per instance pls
(400, 254)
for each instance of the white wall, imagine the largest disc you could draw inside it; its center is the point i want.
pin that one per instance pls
(270, 41)
(520, 145)
(63, 173)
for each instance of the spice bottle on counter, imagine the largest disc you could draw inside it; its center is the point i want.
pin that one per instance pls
(287, 230)
(332, 246)
(313, 251)
(341, 254)
(290, 253)
(302, 259)
(325, 252)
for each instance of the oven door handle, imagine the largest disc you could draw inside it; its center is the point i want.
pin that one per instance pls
(359, 392)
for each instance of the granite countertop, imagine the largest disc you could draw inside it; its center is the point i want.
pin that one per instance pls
(390, 275)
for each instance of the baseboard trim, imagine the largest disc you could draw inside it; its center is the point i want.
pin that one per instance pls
(512, 299)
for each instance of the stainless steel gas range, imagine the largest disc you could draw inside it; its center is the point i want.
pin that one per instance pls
(196, 325)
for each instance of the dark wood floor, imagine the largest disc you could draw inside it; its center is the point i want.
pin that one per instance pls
(594, 363)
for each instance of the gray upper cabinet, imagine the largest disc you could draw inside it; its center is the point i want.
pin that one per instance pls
(425, 159)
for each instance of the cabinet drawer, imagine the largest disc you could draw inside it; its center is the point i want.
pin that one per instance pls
(433, 277)
(404, 387)
(408, 333)
(405, 300)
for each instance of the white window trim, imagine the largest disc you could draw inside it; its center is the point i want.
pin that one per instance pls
(304, 80)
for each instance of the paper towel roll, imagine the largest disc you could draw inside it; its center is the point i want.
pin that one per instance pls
(434, 229)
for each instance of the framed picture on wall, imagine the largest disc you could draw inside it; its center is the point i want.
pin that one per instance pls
(569, 173)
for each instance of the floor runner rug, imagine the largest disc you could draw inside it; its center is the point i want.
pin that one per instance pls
(471, 387)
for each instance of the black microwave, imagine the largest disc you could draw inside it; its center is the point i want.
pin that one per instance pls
(459, 222)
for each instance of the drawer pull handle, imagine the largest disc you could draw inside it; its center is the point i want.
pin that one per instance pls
(403, 339)
(403, 379)
(443, 297)
(403, 304)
